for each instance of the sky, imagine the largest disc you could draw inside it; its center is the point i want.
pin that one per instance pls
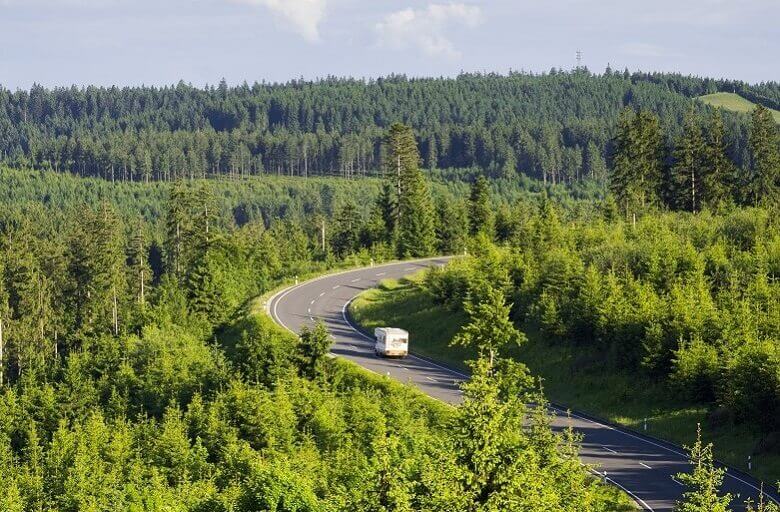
(159, 42)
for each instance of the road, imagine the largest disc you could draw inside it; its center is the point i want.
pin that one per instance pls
(641, 466)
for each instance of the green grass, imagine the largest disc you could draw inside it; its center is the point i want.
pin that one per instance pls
(574, 377)
(734, 102)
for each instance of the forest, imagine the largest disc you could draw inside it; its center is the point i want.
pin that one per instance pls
(557, 127)
(136, 375)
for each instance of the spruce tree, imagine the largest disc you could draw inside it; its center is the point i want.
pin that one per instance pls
(689, 161)
(140, 275)
(718, 170)
(96, 267)
(765, 157)
(414, 220)
(347, 230)
(703, 483)
(180, 230)
(622, 173)
(490, 329)
(480, 210)
(451, 226)
(314, 347)
(637, 162)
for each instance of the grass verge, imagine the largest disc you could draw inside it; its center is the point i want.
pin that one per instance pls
(573, 376)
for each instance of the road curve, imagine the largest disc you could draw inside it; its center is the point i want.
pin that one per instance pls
(641, 466)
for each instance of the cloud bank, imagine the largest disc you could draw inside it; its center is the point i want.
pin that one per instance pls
(426, 29)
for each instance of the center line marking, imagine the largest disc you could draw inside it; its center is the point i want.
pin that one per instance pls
(381, 273)
(355, 280)
(645, 465)
(323, 293)
(609, 449)
(336, 286)
(312, 302)
(431, 379)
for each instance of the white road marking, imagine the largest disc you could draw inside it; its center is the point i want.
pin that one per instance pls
(404, 367)
(311, 318)
(323, 293)
(309, 311)
(336, 286)
(645, 465)
(312, 302)
(381, 274)
(609, 449)
(355, 280)
(431, 379)
(677, 482)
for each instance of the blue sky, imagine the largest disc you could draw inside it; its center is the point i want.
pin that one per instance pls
(132, 42)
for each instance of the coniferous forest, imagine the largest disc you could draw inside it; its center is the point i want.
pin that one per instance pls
(611, 211)
(556, 127)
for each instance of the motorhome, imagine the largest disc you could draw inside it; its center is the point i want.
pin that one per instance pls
(391, 342)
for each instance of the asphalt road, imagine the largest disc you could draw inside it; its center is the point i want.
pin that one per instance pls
(641, 466)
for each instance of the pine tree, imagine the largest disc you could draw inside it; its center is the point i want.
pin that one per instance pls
(703, 484)
(481, 218)
(414, 219)
(765, 156)
(689, 161)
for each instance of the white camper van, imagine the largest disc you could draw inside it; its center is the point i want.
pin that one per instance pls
(391, 342)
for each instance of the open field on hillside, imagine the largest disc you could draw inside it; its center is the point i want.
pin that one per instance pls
(733, 102)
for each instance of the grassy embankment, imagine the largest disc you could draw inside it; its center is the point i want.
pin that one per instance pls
(572, 377)
(734, 102)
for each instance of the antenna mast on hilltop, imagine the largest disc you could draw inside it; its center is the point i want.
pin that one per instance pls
(579, 59)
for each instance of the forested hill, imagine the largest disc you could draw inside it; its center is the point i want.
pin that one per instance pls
(555, 126)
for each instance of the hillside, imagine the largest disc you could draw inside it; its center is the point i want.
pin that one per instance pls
(555, 126)
(733, 102)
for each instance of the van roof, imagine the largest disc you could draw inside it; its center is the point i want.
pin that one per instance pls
(392, 331)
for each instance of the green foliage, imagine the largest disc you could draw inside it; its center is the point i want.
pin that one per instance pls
(480, 208)
(314, 347)
(490, 329)
(703, 483)
(685, 300)
(414, 221)
(637, 161)
(540, 128)
(764, 184)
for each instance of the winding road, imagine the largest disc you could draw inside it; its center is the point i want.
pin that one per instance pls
(641, 466)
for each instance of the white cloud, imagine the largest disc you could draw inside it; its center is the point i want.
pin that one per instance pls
(426, 28)
(304, 16)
